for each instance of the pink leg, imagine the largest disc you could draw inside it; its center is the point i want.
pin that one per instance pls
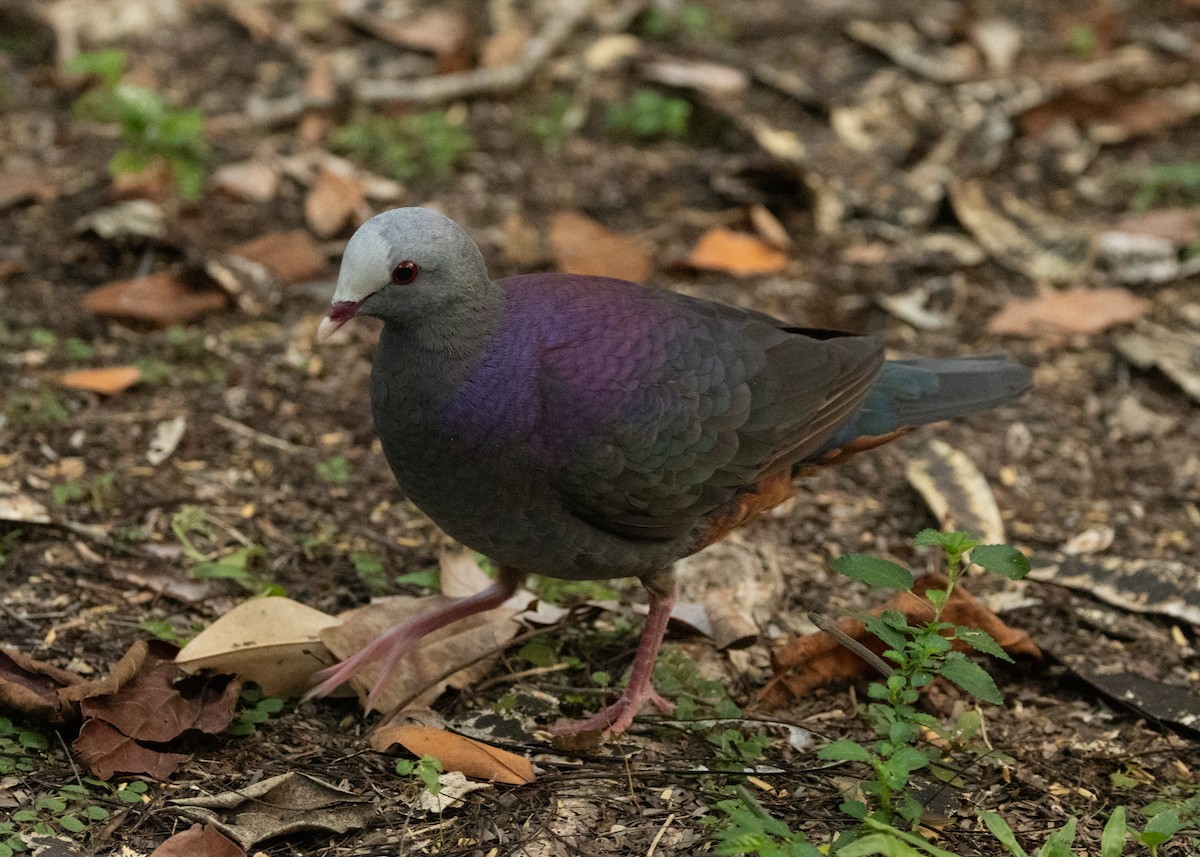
(404, 638)
(617, 717)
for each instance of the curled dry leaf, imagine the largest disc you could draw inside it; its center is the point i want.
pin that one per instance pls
(818, 659)
(1171, 352)
(957, 493)
(292, 257)
(126, 728)
(199, 841)
(31, 687)
(580, 245)
(332, 203)
(737, 253)
(274, 642)
(165, 439)
(1054, 313)
(457, 753)
(108, 381)
(278, 806)
(164, 299)
(254, 181)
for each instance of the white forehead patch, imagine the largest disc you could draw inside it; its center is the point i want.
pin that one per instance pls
(364, 264)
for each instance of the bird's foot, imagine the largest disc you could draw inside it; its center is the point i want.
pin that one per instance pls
(617, 717)
(404, 638)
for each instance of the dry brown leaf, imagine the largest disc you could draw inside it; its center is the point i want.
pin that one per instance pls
(737, 253)
(107, 381)
(809, 662)
(332, 202)
(274, 642)
(580, 245)
(164, 299)
(445, 33)
(199, 841)
(316, 123)
(31, 687)
(1054, 313)
(151, 707)
(107, 752)
(1180, 226)
(457, 753)
(956, 492)
(504, 47)
(19, 186)
(255, 181)
(293, 257)
(279, 806)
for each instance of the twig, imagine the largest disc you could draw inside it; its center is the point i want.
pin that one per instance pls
(258, 436)
(521, 674)
(447, 87)
(658, 836)
(830, 627)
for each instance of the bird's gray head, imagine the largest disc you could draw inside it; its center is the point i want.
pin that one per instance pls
(403, 264)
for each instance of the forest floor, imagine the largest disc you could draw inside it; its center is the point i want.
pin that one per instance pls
(994, 176)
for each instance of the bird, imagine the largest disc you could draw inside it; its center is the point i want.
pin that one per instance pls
(585, 428)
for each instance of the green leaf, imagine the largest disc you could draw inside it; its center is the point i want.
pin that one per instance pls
(428, 578)
(107, 65)
(884, 631)
(71, 824)
(878, 843)
(1058, 844)
(24, 815)
(952, 543)
(999, 828)
(1001, 559)
(971, 677)
(844, 750)
(96, 813)
(1161, 827)
(981, 641)
(1112, 840)
(874, 571)
(51, 803)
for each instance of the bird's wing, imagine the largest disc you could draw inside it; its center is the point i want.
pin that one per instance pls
(662, 418)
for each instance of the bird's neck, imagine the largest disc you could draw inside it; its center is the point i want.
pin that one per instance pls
(450, 336)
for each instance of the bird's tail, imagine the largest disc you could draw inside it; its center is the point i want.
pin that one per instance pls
(910, 393)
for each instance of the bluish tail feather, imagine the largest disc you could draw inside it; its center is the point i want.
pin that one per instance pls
(917, 392)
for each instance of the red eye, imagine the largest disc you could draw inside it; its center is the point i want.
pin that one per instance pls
(405, 273)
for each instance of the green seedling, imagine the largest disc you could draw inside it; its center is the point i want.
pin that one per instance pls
(648, 115)
(335, 471)
(236, 564)
(1179, 183)
(687, 21)
(34, 410)
(427, 769)
(152, 131)
(369, 569)
(255, 709)
(99, 491)
(423, 146)
(8, 541)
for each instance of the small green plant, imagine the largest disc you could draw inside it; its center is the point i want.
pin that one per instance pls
(1180, 183)
(426, 578)
(97, 490)
(753, 830)
(369, 569)
(8, 541)
(162, 631)
(236, 564)
(34, 410)
(648, 115)
(686, 20)
(549, 123)
(921, 653)
(567, 591)
(66, 809)
(427, 769)
(256, 709)
(426, 145)
(152, 131)
(335, 471)
(1083, 41)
